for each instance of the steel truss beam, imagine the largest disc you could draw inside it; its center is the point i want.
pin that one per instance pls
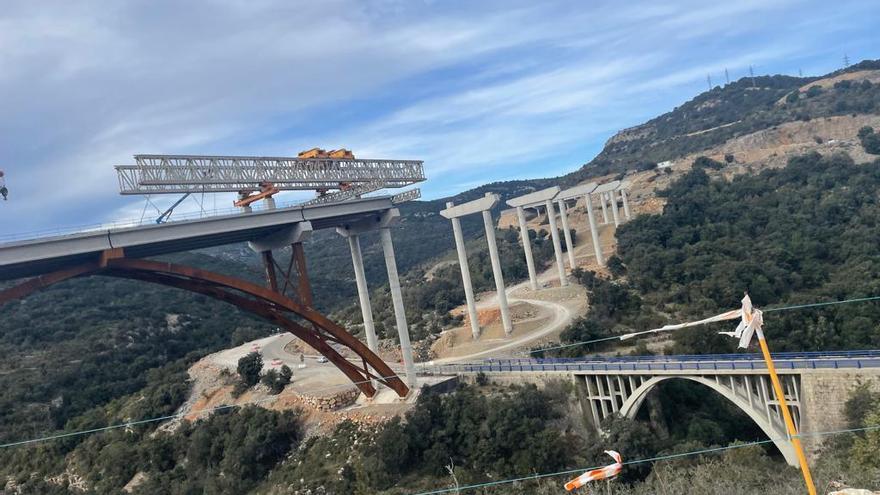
(261, 301)
(166, 174)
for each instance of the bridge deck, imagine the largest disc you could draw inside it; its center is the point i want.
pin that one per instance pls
(38, 256)
(739, 363)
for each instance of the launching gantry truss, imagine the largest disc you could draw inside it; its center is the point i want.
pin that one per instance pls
(181, 174)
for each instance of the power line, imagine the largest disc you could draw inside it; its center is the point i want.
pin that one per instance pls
(648, 459)
(768, 310)
(129, 424)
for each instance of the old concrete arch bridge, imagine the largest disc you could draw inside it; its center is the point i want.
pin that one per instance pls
(816, 384)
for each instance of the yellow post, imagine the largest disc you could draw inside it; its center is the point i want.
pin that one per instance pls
(786, 414)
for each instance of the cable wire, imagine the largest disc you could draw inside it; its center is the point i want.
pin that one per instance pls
(768, 310)
(647, 459)
(179, 415)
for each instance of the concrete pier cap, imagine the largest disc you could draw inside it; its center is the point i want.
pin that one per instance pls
(487, 202)
(534, 199)
(577, 191)
(288, 235)
(607, 187)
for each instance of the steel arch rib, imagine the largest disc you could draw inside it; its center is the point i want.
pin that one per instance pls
(339, 334)
(266, 303)
(310, 337)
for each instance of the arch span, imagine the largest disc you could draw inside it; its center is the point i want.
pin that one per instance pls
(631, 406)
(318, 331)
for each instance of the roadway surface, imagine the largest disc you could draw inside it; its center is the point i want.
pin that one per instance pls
(710, 362)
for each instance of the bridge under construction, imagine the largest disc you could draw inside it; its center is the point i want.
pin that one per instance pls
(340, 182)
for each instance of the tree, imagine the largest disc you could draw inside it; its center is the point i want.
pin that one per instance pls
(814, 91)
(870, 140)
(706, 162)
(616, 267)
(249, 368)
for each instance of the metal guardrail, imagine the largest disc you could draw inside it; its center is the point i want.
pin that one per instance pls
(745, 362)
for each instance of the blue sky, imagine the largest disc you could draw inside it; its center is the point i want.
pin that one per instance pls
(481, 91)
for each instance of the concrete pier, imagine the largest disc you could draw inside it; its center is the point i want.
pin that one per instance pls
(399, 311)
(605, 219)
(527, 247)
(363, 292)
(557, 246)
(532, 200)
(625, 200)
(569, 245)
(612, 197)
(496, 272)
(465, 276)
(594, 231)
(453, 213)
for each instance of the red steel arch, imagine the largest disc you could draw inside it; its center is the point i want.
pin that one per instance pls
(250, 297)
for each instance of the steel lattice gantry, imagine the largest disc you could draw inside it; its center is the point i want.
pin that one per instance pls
(173, 174)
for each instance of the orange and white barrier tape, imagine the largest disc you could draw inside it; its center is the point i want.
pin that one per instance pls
(602, 473)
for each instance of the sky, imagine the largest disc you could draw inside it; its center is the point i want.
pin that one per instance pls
(481, 91)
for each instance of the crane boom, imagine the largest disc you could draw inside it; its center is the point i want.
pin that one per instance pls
(175, 174)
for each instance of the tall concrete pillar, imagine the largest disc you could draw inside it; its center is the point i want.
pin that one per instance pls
(594, 232)
(569, 245)
(496, 271)
(557, 247)
(465, 275)
(270, 203)
(612, 197)
(625, 203)
(363, 293)
(527, 247)
(605, 218)
(399, 312)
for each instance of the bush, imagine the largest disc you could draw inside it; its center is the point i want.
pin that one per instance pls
(706, 162)
(814, 91)
(870, 140)
(249, 368)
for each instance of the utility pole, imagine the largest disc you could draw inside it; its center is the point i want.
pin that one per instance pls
(845, 61)
(726, 76)
(800, 72)
(752, 75)
(709, 81)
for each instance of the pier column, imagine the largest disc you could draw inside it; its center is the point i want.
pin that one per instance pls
(594, 231)
(625, 203)
(557, 247)
(569, 245)
(612, 196)
(465, 274)
(496, 271)
(605, 218)
(363, 293)
(399, 310)
(527, 247)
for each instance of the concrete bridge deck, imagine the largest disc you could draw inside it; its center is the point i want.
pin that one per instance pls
(31, 257)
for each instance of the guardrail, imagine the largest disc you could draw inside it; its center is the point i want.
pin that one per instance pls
(744, 362)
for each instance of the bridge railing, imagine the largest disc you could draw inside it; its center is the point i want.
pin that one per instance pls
(531, 365)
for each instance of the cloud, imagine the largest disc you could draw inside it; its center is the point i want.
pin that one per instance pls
(481, 91)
